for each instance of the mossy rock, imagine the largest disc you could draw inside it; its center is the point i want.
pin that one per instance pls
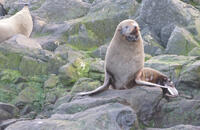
(171, 65)
(181, 42)
(51, 82)
(30, 66)
(85, 84)
(98, 26)
(195, 52)
(71, 72)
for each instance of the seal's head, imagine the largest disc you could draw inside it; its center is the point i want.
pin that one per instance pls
(129, 30)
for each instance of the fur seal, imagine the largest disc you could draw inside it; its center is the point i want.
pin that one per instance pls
(151, 77)
(20, 23)
(124, 57)
(124, 62)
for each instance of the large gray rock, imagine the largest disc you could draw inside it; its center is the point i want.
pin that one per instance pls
(7, 111)
(178, 112)
(62, 10)
(178, 127)
(181, 42)
(2, 10)
(24, 42)
(98, 26)
(20, 53)
(143, 100)
(190, 75)
(182, 70)
(113, 116)
(162, 15)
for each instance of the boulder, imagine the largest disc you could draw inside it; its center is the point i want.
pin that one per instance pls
(98, 26)
(20, 53)
(100, 52)
(151, 45)
(161, 16)
(144, 107)
(190, 75)
(7, 111)
(24, 42)
(182, 70)
(110, 116)
(2, 10)
(194, 52)
(85, 84)
(177, 127)
(62, 10)
(181, 42)
(178, 112)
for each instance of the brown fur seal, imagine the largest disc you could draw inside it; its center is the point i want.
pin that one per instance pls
(20, 23)
(124, 57)
(151, 77)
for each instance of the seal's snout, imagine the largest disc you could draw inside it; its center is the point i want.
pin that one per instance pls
(134, 31)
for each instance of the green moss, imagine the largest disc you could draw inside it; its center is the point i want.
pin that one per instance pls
(30, 66)
(147, 57)
(39, 34)
(7, 93)
(9, 76)
(178, 70)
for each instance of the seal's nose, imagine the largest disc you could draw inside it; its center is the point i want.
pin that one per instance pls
(135, 27)
(134, 30)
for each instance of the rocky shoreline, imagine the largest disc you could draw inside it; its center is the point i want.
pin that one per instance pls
(38, 86)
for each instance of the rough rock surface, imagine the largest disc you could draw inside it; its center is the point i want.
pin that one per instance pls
(7, 111)
(41, 75)
(112, 109)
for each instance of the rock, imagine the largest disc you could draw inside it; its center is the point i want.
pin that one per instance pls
(49, 45)
(194, 52)
(171, 65)
(96, 70)
(98, 26)
(55, 11)
(15, 56)
(110, 116)
(180, 42)
(178, 127)
(37, 66)
(29, 95)
(2, 10)
(52, 81)
(68, 74)
(178, 112)
(100, 52)
(161, 16)
(8, 122)
(13, 5)
(24, 42)
(182, 70)
(67, 53)
(7, 111)
(190, 75)
(85, 84)
(71, 72)
(151, 45)
(144, 107)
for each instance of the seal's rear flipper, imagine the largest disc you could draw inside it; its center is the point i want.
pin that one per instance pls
(172, 90)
